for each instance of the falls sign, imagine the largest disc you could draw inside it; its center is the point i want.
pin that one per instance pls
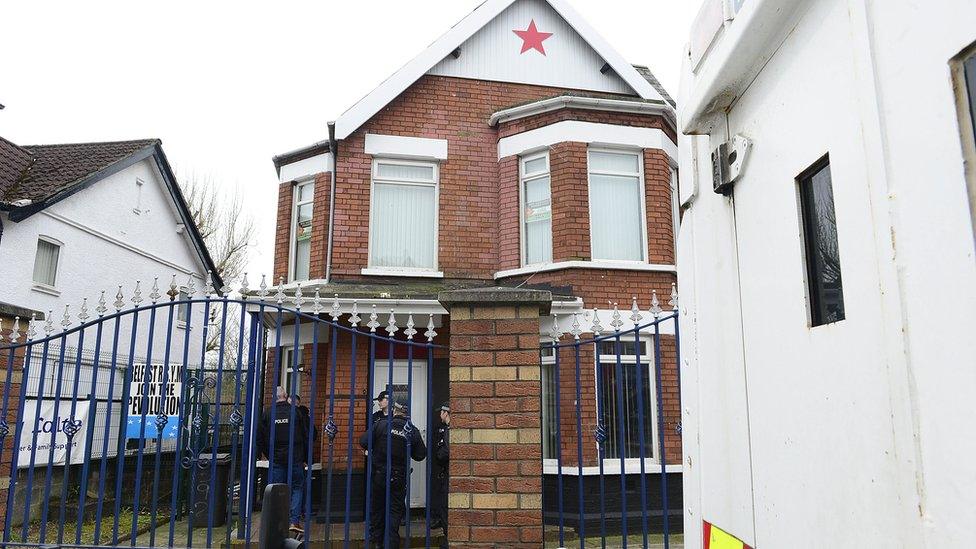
(155, 395)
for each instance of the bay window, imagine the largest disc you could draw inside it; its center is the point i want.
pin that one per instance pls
(403, 216)
(536, 209)
(301, 242)
(617, 222)
(624, 400)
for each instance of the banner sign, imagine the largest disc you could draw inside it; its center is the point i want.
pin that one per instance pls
(147, 388)
(49, 429)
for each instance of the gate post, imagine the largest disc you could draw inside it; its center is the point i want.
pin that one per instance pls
(496, 421)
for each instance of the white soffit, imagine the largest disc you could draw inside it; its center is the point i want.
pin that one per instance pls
(305, 168)
(368, 106)
(587, 132)
(394, 146)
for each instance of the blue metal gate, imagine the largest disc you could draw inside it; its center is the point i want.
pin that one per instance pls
(135, 422)
(612, 429)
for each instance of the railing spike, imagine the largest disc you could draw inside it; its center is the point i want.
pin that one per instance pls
(174, 290)
(66, 319)
(83, 313)
(430, 333)
(15, 332)
(137, 294)
(355, 319)
(101, 309)
(410, 331)
(373, 323)
(1, 332)
(674, 297)
(263, 288)
(154, 295)
(317, 301)
(616, 321)
(597, 328)
(191, 287)
(635, 314)
(245, 287)
(391, 327)
(208, 288)
(280, 293)
(336, 311)
(299, 297)
(577, 330)
(119, 300)
(554, 332)
(31, 327)
(655, 305)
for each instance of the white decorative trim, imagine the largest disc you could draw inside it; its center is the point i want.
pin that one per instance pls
(399, 306)
(394, 146)
(393, 86)
(305, 169)
(587, 132)
(587, 103)
(120, 244)
(611, 467)
(379, 271)
(608, 265)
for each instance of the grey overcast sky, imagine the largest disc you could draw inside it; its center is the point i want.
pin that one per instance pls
(227, 85)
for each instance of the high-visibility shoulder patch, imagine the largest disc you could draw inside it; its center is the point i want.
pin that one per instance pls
(716, 538)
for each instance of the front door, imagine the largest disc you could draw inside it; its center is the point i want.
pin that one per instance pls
(418, 408)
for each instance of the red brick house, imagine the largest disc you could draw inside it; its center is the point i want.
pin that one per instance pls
(518, 150)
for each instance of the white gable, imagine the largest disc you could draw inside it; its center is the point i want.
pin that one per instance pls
(481, 17)
(495, 53)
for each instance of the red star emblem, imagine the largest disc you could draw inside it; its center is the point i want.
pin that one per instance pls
(532, 39)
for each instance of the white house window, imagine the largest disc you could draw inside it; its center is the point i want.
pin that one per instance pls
(182, 313)
(289, 380)
(46, 262)
(403, 216)
(617, 226)
(536, 210)
(301, 245)
(620, 392)
(550, 443)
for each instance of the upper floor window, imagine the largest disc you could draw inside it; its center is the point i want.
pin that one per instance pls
(301, 243)
(46, 262)
(820, 242)
(536, 209)
(617, 222)
(403, 216)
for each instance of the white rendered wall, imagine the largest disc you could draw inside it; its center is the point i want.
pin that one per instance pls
(856, 434)
(105, 244)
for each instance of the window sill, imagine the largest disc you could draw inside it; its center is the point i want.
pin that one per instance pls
(596, 264)
(381, 271)
(45, 289)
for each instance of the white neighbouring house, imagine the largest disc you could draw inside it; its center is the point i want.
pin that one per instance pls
(829, 295)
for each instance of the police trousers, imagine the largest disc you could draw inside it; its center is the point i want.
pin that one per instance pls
(397, 484)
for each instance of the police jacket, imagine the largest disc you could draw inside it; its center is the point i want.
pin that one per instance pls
(398, 433)
(442, 448)
(279, 418)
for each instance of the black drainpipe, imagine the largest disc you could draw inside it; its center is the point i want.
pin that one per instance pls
(334, 148)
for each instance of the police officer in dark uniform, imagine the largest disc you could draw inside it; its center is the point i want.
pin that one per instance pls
(439, 469)
(398, 429)
(383, 401)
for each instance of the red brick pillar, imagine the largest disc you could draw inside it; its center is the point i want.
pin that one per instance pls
(496, 425)
(9, 416)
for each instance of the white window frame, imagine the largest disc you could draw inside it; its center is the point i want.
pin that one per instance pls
(41, 286)
(287, 360)
(632, 465)
(182, 306)
(292, 236)
(373, 269)
(643, 202)
(545, 344)
(523, 179)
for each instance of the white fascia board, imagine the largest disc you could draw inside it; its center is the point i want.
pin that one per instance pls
(603, 265)
(587, 132)
(394, 146)
(734, 59)
(305, 169)
(616, 61)
(586, 103)
(367, 107)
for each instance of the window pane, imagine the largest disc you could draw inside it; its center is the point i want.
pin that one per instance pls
(620, 410)
(403, 227)
(822, 251)
(538, 222)
(615, 218)
(627, 348)
(303, 257)
(181, 312)
(305, 213)
(46, 262)
(408, 172)
(535, 166)
(614, 162)
(306, 192)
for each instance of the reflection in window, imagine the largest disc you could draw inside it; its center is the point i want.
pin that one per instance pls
(820, 240)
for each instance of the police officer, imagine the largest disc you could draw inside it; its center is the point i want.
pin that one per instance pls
(398, 429)
(289, 452)
(439, 469)
(383, 401)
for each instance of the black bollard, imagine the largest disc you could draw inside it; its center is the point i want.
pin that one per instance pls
(274, 520)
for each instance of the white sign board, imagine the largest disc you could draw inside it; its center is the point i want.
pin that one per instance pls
(162, 398)
(49, 428)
